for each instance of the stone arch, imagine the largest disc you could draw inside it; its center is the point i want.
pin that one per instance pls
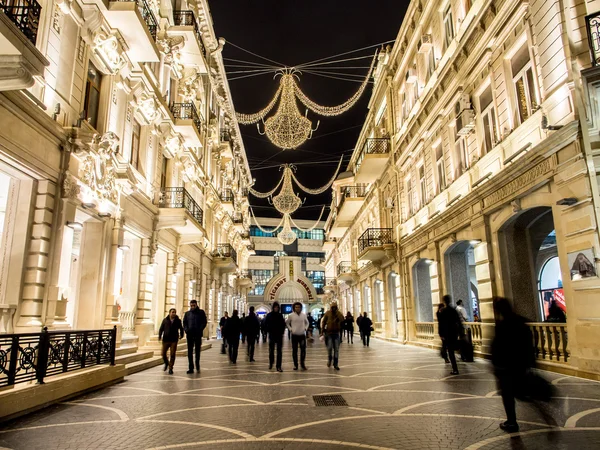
(422, 293)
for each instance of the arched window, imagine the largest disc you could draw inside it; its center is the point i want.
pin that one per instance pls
(550, 286)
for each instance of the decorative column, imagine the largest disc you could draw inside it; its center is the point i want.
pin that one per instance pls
(171, 282)
(143, 321)
(112, 308)
(37, 259)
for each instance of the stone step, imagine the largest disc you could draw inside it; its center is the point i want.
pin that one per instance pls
(126, 350)
(129, 340)
(144, 364)
(133, 357)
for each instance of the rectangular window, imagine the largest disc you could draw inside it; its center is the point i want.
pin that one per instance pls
(441, 169)
(422, 185)
(163, 174)
(488, 120)
(134, 158)
(410, 194)
(92, 95)
(448, 26)
(462, 157)
(523, 80)
(381, 301)
(430, 63)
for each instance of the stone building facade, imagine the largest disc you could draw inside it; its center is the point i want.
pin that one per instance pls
(123, 174)
(475, 174)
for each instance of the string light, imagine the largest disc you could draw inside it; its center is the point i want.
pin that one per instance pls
(287, 128)
(323, 188)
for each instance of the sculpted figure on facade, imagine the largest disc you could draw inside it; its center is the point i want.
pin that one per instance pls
(98, 170)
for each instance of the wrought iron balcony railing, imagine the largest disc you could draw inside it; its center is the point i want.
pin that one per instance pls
(227, 195)
(344, 267)
(374, 237)
(592, 23)
(330, 281)
(35, 356)
(179, 197)
(25, 14)
(373, 146)
(188, 19)
(358, 191)
(245, 274)
(225, 136)
(226, 251)
(187, 111)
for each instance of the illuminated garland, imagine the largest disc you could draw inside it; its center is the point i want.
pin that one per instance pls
(261, 228)
(265, 194)
(321, 189)
(311, 228)
(248, 119)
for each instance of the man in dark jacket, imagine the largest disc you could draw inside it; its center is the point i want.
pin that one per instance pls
(194, 323)
(231, 332)
(222, 324)
(252, 330)
(512, 356)
(170, 332)
(365, 329)
(449, 329)
(275, 326)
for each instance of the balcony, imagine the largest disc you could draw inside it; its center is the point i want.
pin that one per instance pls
(352, 198)
(592, 23)
(372, 160)
(138, 25)
(188, 122)
(330, 285)
(238, 223)
(180, 212)
(21, 60)
(375, 244)
(225, 258)
(185, 24)
(346, 273)
(225, 145)
(329, 244)
(244, 279)
(227, 198)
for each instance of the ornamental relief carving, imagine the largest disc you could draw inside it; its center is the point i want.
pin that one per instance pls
(522, 182)
(70, 188)
(98, 170)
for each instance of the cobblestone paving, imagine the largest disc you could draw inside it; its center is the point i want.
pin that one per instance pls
(399, 397)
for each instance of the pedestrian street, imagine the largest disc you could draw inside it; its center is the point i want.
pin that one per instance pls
(398, 397)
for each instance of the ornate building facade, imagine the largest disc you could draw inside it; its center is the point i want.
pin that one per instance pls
(475, 175)
(123, 174)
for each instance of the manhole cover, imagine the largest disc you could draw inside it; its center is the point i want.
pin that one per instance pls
(329, 400)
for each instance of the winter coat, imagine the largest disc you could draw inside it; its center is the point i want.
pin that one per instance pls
(512, 347)
(450, 326)
(275, 324)
(332, 322)
(349, 323)
(194, 322)
(251, 325)
(365, 326)
(233, 328)
(170, 331)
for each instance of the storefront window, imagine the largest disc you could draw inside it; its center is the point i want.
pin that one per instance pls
(551, 287)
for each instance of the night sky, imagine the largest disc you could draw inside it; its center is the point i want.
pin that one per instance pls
(293, 32)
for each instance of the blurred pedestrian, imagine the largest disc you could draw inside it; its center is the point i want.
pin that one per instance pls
(275, 326)
(297, 324)
(171, 330)
(350, 327)
(555, 313)
(252, 330)
(194, 323)
(222, 324)
(358, 320)
(232, 330)
(443, 351)
(449, 329)
(243, 332)
(331, 325)
(366, 326)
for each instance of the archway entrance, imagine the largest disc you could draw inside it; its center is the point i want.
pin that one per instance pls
(461, 277)
(530, 264)
(422, 291)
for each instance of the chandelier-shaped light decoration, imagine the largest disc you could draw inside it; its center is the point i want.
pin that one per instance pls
(287, 202)
(287, 236)
(288, 128)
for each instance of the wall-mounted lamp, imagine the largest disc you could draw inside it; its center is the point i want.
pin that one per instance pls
(75, 225)
(123, 247)
(567, 201)
(193, 281)
(104, 214)
(429, 261)
(475, 241)
(88, 205)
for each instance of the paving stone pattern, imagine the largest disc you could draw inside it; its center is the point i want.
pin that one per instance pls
(399, 397)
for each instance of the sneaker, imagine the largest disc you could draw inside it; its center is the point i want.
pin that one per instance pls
(252, 360)
(295, 367)
(189, 372)
(328, 363)
(336, 367)
(170, 371)
(509, 427)
(304, 367)
(454, 372)
(279, 369)
(198, 369)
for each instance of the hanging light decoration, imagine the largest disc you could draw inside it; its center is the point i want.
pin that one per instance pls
(288, 128)
(287, 236)
(287, 202)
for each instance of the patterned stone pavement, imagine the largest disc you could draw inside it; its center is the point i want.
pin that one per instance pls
(398, 397)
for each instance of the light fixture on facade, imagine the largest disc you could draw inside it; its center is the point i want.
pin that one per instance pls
(429, 261)
(75, 225)
(88, 205)
(193, 281)
(104, 214)
(569, 201)
(475, 241)
(123, 247)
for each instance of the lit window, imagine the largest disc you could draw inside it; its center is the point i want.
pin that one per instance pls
(410, 194)
(462, 158)
(488, 120)
(134, 158)
(523, 79)
(92, 95)
(422, 185)
(448, 26)
(441, 169)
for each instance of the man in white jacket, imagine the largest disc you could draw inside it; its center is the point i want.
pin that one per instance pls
(297, 323)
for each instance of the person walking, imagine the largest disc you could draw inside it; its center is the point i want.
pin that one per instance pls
(443, 352)
(450, 329)
(222, 324)
(275, 326)
(243, 332)
(512, 356)
(331, 325)
(358, 320)
(251, 330)
(466, 345)
(297, 324)
(263, 329)
(232, 330)
(349, 325)
(365, 326)
(171, 330)
(194, 323)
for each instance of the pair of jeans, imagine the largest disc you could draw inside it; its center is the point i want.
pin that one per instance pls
(233, 349)
(298, 340)
(194, 344)
(351, 336)
(275, 341)
(251, 343)
(333, 348)
(224, 346)
(450, 346)
(169, 346)
(366, 337)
